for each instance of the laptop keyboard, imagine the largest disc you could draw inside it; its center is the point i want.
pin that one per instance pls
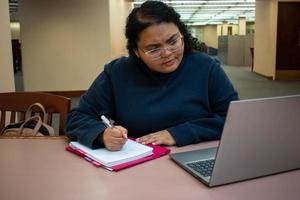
(204, 167)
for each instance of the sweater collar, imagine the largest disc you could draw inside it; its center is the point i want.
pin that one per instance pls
(157, 75)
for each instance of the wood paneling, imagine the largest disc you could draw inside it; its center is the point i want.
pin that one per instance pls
(288, 36)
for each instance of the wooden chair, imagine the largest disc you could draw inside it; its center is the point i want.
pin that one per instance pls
(17, 103)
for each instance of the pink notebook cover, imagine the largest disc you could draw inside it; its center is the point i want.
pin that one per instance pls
(158, 151)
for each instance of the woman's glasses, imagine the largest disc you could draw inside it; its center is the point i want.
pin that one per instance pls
(172, 46)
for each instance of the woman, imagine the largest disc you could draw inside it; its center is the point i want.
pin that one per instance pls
(162, 93)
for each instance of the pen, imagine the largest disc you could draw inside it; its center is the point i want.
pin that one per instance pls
(108, 123)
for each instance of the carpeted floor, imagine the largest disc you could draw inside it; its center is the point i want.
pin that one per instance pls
(251, 85)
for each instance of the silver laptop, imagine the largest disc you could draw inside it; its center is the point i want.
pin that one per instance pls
(260, 137)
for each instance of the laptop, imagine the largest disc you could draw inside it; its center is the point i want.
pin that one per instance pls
(260, 137)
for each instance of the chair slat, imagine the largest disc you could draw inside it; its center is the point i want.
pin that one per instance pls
(2, 123)
(22, 116)
(12, 117)
(49, 118)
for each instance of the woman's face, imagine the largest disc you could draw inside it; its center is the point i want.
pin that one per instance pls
(161, 47)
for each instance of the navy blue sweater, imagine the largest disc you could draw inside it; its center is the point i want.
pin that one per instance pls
(191, 102)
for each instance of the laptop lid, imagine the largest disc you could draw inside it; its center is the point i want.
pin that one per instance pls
(260, 137)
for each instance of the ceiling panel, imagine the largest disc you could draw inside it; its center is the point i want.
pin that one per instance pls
(13, 10)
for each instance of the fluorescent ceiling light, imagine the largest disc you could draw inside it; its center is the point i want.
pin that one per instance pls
(175, 2)
(211, 11)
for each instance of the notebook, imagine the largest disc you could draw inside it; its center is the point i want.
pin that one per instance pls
(260, 137)
(131, 154)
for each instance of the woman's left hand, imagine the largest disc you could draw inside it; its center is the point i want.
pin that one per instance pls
(157, 138)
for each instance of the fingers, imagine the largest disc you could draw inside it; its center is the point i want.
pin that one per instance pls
(113, 138)
(157, 138)
(123, 131)
(148, 139)
(115, 132)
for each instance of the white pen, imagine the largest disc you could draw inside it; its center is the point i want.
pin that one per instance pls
(108, 123)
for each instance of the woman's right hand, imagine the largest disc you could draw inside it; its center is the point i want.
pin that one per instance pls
(114, 138)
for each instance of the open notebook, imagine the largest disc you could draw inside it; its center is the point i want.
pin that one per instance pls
(131, 154)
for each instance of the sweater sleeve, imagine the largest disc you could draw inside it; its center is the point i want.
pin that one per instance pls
(83, 122)
(220, 93)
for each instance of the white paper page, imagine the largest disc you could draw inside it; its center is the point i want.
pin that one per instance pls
(130, 151)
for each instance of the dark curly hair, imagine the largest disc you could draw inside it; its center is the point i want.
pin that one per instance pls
(153, 13)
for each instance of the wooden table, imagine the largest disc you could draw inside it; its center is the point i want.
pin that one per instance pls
(42, 169)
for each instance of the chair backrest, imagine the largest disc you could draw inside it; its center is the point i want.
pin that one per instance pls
(18, 102)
